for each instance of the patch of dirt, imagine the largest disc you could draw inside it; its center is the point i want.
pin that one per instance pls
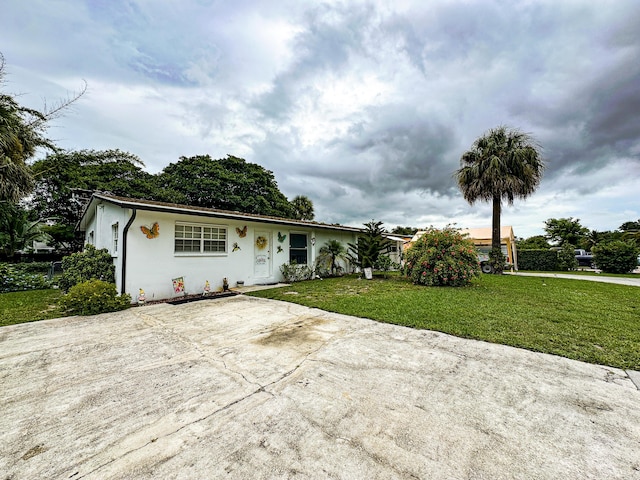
(302, 331)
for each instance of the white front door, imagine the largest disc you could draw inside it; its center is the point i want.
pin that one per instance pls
(262, 254)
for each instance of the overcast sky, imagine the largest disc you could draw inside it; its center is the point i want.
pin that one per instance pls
(363, 106)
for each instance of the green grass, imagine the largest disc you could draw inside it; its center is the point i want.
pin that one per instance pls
(21, 307)
(587, 273)
(589, 321)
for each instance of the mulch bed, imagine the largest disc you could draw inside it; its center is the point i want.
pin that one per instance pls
(193, 298)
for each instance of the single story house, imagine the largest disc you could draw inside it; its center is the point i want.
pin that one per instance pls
(481, 238)
(169, 250)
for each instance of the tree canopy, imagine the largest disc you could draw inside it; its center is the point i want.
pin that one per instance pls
(399, 230)
(565, 230)
(502, 164)
(229, 183)
(65, 181)
(537, 242)
(630, 226)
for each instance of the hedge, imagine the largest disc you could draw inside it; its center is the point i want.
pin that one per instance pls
(543, 260)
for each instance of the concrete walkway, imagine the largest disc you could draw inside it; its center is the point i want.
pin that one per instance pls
(247, 388)
(634, 282)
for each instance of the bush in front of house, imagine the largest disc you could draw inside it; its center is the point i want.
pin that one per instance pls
(442, 258)
(91, 264)
(292, 272)
(15, 279)
(93, 297)
(616, 256)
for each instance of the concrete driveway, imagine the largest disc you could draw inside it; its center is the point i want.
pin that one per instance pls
(244, 388)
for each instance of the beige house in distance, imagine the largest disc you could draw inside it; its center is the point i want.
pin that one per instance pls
(481, 238)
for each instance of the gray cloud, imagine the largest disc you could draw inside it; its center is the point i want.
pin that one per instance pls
(366, 107)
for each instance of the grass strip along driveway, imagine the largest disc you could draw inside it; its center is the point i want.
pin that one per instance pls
(588, 321)
(21, 307)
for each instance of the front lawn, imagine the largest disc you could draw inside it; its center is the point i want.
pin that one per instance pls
(20, 307)
(589, 321)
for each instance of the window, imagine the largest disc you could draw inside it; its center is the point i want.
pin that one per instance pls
(194, 238)
(114, 239)
(90, 240)
(298, 248)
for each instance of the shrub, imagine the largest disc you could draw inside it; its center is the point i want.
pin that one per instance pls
(14, 279)
(544, 260)
(92, 264)
(442, 257)
(567, 257)
(384, 263)
(33, 267)
(292, 272)
(93, 297)
(615, 256)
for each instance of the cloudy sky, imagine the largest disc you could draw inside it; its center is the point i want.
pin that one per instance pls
(363, 106)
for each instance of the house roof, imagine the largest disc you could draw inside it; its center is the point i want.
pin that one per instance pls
(150, 205)
(485, 233)
(477, 233)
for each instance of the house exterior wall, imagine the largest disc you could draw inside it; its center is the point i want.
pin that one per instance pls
(99, 233)
(152, 263)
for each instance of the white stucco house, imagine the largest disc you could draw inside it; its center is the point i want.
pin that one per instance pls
(154, 243)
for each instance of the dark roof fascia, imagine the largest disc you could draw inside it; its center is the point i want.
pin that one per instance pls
(141, 205)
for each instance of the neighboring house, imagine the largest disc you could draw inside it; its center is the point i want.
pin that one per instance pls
(41, 247)
(153, 243)
(397, 248)
(481, 238)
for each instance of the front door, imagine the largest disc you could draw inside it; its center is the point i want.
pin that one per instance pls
(262, 255)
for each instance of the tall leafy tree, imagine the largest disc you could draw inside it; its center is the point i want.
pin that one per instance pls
(302, 208)
(399, 230)
(631, 230)
(22, 132)
(537, 242)
(369, 246)
(565, 230)
(229, 183)
(502, 165)
(65, 181)
(630, 226)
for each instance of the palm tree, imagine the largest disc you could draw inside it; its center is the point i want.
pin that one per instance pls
(302, 208)
(330, 253)
(17, 230)
(22, 132)
(503, 164)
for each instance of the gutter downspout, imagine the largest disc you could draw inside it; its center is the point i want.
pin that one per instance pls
(123, 277)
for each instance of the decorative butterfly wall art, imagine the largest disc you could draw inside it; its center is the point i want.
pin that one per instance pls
(235, 246)
(242, 232)
(281, 238)
(152, 232)
(280, 249)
